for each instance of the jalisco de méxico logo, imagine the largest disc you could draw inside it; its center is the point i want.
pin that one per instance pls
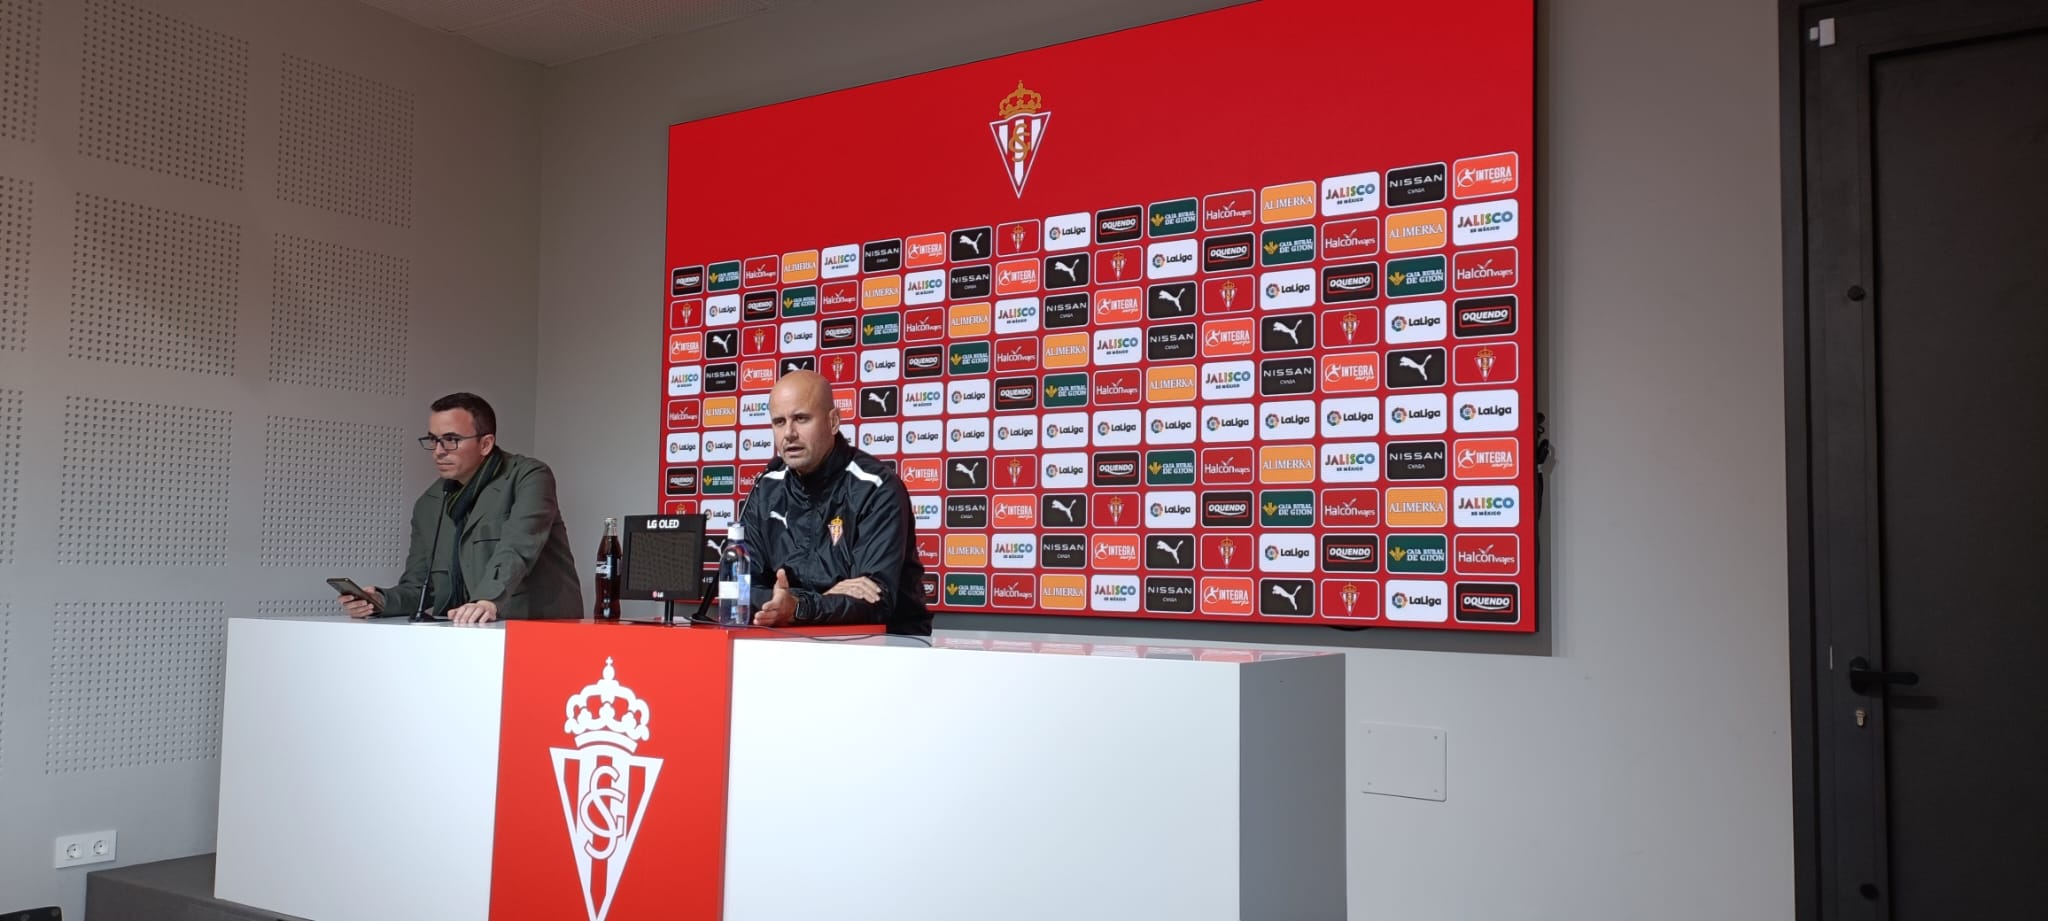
(1020, 133)
(604, 786)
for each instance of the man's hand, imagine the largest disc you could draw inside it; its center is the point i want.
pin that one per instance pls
(860, 587)
(475, 612)
(780, 611)
(356, 607)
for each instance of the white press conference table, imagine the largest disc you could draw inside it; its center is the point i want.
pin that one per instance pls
(1056, 777)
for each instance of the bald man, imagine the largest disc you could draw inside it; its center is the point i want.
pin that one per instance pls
(831, 523)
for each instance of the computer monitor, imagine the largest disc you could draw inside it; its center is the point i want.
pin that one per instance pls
(663, 558)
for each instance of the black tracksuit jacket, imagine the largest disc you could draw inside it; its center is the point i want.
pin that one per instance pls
(850, 517)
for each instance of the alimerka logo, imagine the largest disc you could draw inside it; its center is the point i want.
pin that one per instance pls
(1020, 133)
(604, 785)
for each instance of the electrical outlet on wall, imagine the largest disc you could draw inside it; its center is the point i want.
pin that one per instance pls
(91, 847)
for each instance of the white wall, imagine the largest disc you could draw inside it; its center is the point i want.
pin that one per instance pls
(132, 538)
(1628, 762)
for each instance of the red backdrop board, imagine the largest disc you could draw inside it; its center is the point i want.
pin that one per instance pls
(1227, 317)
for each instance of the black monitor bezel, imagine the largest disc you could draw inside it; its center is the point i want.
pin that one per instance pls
(690, 526)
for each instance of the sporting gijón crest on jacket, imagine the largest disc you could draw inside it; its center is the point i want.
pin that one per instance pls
(847, 519)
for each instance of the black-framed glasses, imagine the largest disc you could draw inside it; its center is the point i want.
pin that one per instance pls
(451, 442)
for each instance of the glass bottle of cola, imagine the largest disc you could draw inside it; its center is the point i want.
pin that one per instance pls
(607, 607)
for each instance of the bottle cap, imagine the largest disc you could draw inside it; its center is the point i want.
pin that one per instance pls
(735, 531)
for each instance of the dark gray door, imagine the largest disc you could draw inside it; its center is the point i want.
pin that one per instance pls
(1925, 379)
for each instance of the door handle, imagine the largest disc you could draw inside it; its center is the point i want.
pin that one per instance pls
(1864, 680)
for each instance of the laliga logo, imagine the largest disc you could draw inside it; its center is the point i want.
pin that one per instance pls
(604, 786)
(1020, 133)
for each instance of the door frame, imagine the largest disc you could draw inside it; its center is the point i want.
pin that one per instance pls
(1798, 552)
(1831, 478)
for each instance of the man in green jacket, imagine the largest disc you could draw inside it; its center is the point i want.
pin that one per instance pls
(503, 551)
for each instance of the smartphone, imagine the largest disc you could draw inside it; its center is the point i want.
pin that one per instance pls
(350, 588)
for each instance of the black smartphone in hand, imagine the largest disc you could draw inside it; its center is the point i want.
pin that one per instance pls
(350, 588)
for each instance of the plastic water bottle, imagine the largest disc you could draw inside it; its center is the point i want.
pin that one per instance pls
(736, 578)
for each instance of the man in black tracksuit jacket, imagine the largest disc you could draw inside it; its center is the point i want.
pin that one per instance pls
(831, 523)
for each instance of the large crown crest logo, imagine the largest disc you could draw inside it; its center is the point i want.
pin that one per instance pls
(604, 785)
(1020, 133)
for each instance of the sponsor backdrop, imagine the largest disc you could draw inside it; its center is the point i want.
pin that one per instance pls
(1227, 317)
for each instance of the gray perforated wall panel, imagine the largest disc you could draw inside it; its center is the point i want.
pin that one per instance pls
(164, 94)
(10, 470)
(338, 316)
(242, 246)
(143, 484)
(153, 287)
(17, 203)
(298, 607)
(330, 493)
(21, 37)
(6, 628)
(134, 683)
(344, 143)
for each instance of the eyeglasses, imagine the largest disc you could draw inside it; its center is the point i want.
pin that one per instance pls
(451, 442)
